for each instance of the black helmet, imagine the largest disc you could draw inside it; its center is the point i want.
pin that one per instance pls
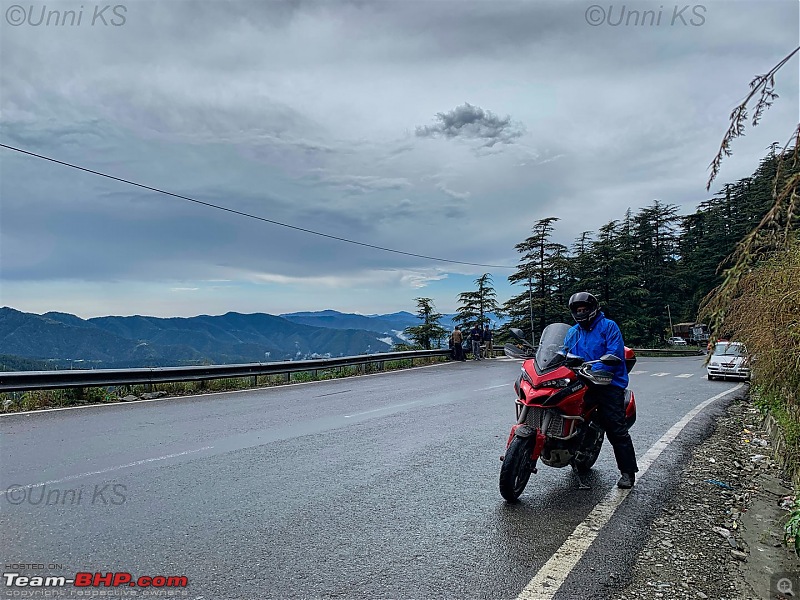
(584, 298)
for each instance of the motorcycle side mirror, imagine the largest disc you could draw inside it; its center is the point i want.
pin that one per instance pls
(517, 333)
(611, 360)
(520, 335)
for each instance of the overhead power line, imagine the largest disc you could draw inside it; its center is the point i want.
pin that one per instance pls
(248, 215)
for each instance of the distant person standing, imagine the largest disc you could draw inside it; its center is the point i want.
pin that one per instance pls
(476, 335)
(458, 340)
(487, 342)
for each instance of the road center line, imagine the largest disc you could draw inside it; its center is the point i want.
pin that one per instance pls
(109, 469)
(555, 571)
(494, 387)
(366, 412)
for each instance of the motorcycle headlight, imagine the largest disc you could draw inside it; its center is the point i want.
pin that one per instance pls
(556, 383)
(526, 377)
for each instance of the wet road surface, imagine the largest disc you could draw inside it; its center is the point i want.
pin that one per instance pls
(382, 486)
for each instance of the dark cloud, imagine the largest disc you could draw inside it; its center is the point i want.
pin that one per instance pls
(302, 112)
(472, 122)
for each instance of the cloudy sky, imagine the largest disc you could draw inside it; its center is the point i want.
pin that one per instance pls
(439, 128)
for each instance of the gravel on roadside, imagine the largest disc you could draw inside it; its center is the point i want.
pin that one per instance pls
(721, 534)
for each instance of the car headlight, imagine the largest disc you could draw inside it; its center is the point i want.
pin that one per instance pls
(714, 364)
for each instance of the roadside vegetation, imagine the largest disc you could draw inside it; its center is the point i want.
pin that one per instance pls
(758, 298)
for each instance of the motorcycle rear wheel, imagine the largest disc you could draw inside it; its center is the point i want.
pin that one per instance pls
(516, 469)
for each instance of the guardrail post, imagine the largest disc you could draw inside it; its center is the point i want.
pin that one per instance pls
(254, 381)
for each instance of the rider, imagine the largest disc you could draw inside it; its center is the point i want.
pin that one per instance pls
(593, 336)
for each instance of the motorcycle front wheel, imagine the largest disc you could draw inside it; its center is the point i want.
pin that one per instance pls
(516, 469)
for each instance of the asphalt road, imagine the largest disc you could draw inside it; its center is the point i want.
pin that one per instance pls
(382, 486)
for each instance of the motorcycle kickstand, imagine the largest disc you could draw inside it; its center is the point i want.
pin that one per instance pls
(582, 484)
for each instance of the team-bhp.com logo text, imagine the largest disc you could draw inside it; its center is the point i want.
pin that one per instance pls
(680, 15)
(96, 580)
(97, 15)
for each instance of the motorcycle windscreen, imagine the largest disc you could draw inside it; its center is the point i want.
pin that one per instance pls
(551, 350)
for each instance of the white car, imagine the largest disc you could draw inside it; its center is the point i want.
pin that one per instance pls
(676, 341)
(729, 359)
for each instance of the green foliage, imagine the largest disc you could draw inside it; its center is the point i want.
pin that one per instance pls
(791, 530)
(430, 331)
(9, 362)
(475, 305)
(404, 347)
(639, 265)
(39, 399)
(779, 404)
(544, 271)
(764, 313)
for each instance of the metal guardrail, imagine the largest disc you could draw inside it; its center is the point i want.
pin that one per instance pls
(676, 351)
(18, 381)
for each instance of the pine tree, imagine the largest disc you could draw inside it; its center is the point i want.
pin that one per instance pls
(476, 305)
(542, 268)
(430, 330)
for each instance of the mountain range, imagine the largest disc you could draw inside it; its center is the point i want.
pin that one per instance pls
(56, 340)
(62, 339)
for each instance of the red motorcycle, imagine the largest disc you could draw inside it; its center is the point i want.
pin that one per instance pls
(554, 424)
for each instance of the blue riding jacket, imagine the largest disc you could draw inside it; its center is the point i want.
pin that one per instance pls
(602, 337)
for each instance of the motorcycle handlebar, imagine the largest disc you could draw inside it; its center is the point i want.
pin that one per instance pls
(596, 377)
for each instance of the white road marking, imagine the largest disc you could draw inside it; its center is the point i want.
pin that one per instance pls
(366, 412)
(555, 571)
(685, 375)
(494, 387)
(659, 374)
(107, 470)
(638, 372)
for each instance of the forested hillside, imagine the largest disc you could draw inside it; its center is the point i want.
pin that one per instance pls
(642, 262)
